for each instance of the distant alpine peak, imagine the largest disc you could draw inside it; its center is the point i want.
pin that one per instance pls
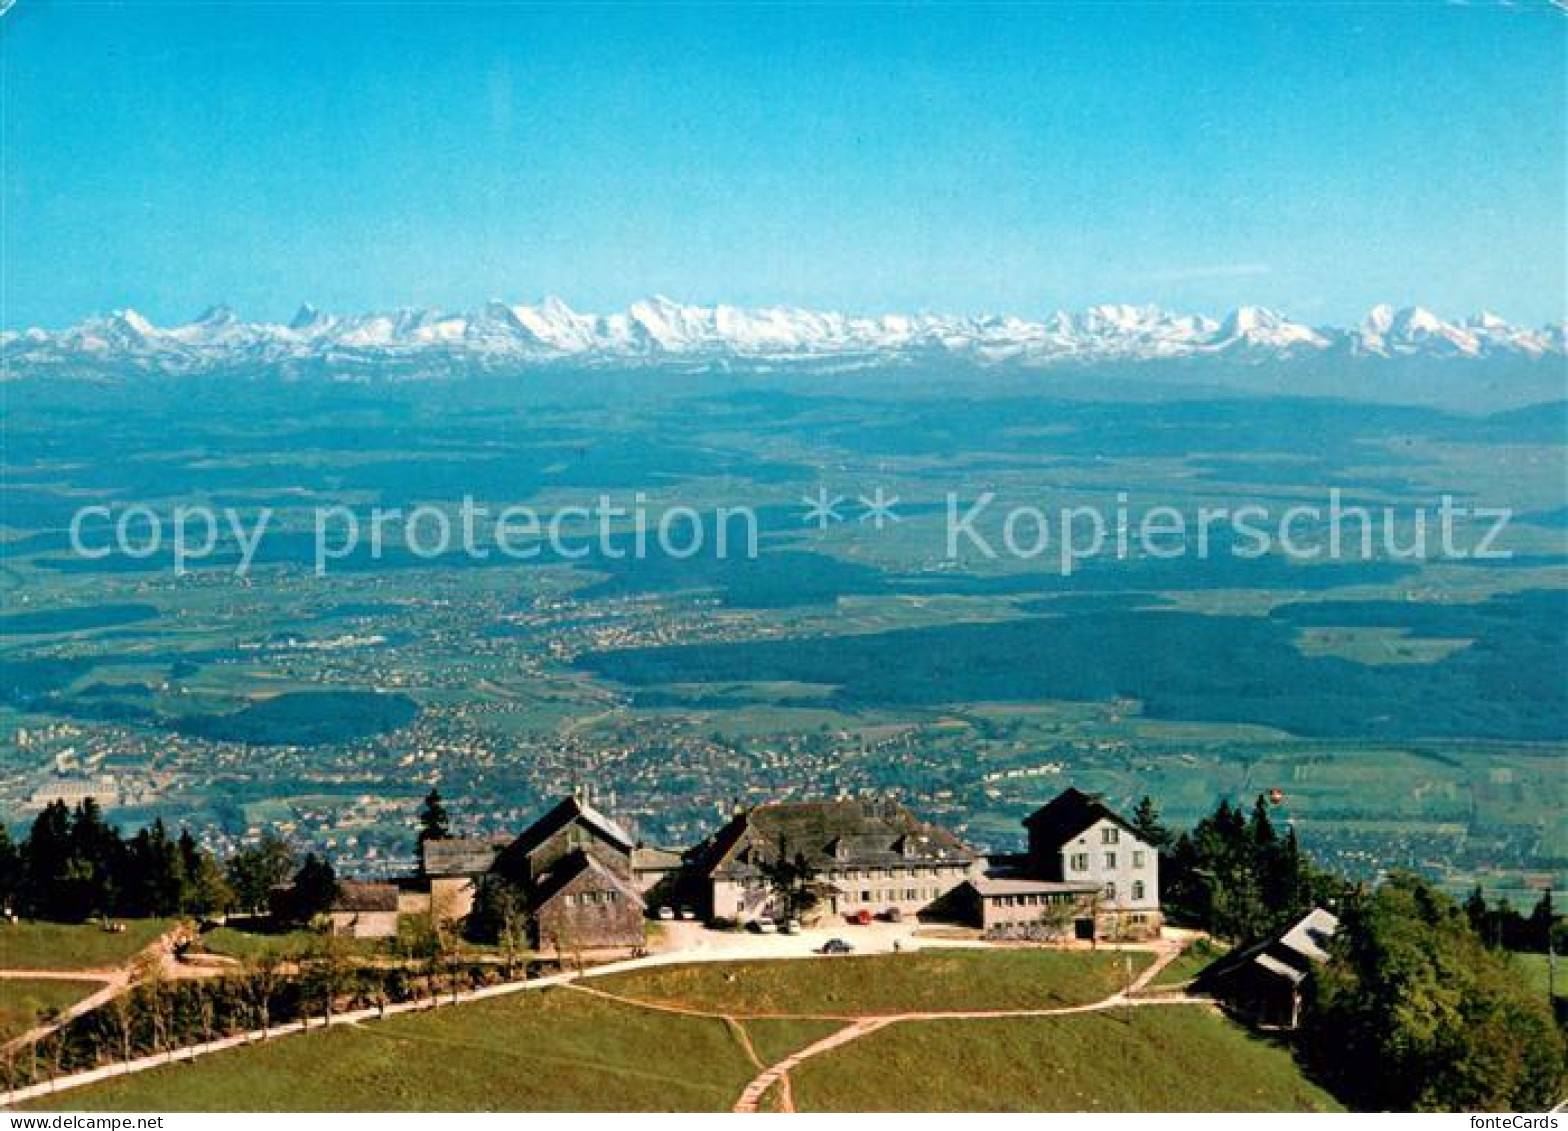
(306, 317)
(499, 336)
(132, 320)
(219, 314)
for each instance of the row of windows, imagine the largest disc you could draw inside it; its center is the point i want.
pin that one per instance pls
(1037, 900)
(1034, 900)
(585, 898)
(891, 895)
(914, 871)
(855, 874)
(1080, 860)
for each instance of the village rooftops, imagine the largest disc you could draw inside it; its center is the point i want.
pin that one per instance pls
(830, 834)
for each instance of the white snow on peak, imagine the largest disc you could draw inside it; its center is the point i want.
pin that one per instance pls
(499, 337)
(1259, 328)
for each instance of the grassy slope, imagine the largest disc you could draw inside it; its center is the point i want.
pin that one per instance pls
(1533, 971)
(71, 946)
(26, 1001)
(552, 1050)
(946, 979)
(1189, 964)
(246, 945)
(253, 944)
(776, 1038)
(1165, 1058)
(563, 1050)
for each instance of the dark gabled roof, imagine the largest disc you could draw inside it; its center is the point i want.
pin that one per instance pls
(1069, 814)
(574, 865)
(564, 812)
(1289, 954)
(356, 896)
(457, 856)
(830, 833)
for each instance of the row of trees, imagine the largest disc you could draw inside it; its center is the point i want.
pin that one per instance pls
(1418, 1008)
(1235, 874)
(73, 865)
(1500, 925)
(1415, 1012)
(1238, 877)
(161, 1015)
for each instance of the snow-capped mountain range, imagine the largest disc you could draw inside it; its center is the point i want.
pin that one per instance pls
(499, 337)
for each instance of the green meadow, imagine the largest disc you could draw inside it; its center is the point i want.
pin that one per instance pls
(562, 1049)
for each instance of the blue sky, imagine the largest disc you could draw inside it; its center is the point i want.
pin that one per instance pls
(1317, 157)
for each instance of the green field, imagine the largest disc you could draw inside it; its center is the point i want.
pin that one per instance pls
(246, 945)
(1409, 711)
(285, 945)
(774, 1038)
(73, 946)
(564, 1050)
(1188, 964)
(852, 984)
(552, 1050)
(1538, 975)
(24, 1002)
(1155, 1058)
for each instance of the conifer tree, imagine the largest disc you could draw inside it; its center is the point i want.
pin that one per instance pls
(1146, 821)
(434, 823)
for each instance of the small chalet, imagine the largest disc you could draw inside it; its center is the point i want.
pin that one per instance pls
(575, 868)
(1263, 983)
(580, 875)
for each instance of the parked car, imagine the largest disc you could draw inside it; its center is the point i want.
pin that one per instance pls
(666, 913)
(835, 946)
(861, 918)
(791, 927)
(764, 925)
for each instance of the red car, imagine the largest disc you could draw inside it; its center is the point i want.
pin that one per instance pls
(861, 918)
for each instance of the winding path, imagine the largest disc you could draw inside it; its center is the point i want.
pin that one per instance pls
(859, 1026)
(116, 981)
(751, 1096)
